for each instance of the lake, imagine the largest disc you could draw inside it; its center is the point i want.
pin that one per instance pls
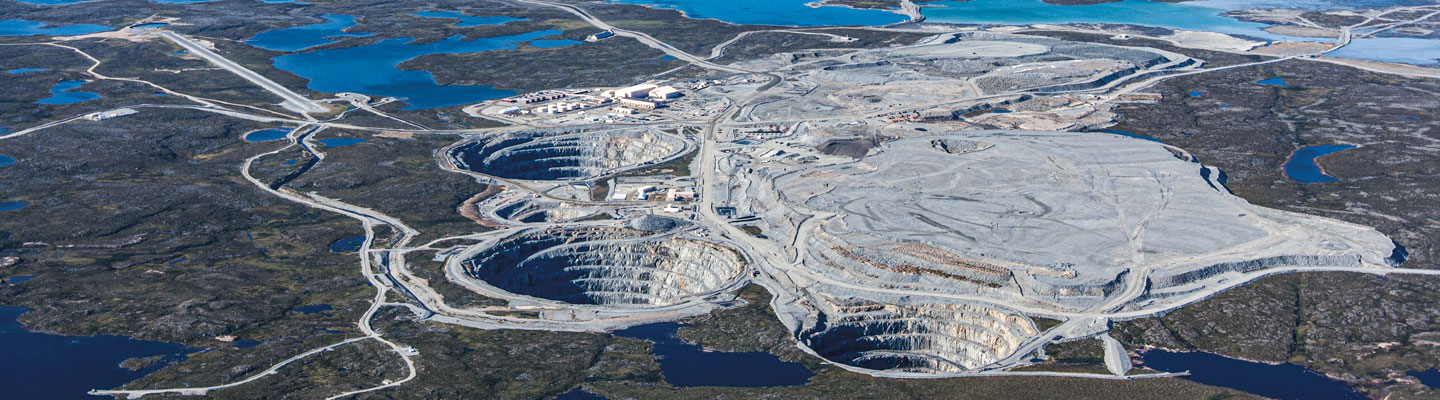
(20, 27)
(340, 142)
(66, 367)
(1284, 381)
(62, 93)
(1276, 81)
(685, 364)
(23, 70)
(774, 12)
(266, 135)
(304, 37)
(1393, 49)
(373, 69)
(1429, 378)
(11, 205)
(1133, 12)
(6, 160)
(1302, 165)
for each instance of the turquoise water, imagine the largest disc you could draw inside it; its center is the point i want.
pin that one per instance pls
(1302, 166)
(1400, 50)
(304, 37)
(266, 135)
(1134, 12)
(774, 12)
(23, 70)
(61, 94)
(341, 142)
(372, 69)
(1276, 81)
(1196, 93)
(466, 20)
(20, 27)
(51, 2)
(37, 365)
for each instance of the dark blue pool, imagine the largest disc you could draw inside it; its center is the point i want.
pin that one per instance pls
(684, 364)
(1283, 382)
(37, 365)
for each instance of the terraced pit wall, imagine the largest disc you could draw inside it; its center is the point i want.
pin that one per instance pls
(605, 266)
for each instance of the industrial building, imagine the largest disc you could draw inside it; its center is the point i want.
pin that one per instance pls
(104, 115)
(642, 105)
(664, 92)
(632, 92)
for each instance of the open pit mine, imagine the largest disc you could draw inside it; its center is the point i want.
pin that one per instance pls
(915, 210)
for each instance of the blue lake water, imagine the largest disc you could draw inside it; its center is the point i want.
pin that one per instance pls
(1284, 381)
(1276, 81)
(684, 364)
(284, 2)
(1400, 50)
(11, 205)
(314, 308)
(23, 70)
(246, 343)
(65, 367)
(62, 93)
(341, 142)
(1196, 93)
(19, 279)
(6, 160)
(304, 37)
(1430, 378)
(290, 162)
(348, 244)
(774, 12)
(466, 20)
(266, 135)
(19, 27)
(1310, 4)
(1302, 166)
(372, 69)
(1134, 12)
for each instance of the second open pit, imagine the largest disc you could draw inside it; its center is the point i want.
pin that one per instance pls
(549, 156)
(606, 266)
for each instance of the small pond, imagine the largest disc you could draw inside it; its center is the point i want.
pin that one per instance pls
(1303, 165)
